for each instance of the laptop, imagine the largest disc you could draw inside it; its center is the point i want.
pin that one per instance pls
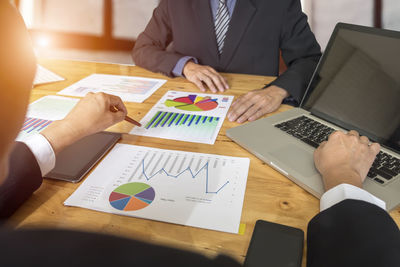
(356, 86)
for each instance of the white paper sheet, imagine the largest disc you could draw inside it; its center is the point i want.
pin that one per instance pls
(44, 75)
(184, 116)
(128, 88)
(43, 112)
(200, 190)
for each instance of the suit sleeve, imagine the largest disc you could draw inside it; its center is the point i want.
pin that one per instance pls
(300, 51)
(24, 178)
(353, 233)
(150, 50)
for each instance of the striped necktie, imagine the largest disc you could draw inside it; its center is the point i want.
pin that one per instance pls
(221, 24)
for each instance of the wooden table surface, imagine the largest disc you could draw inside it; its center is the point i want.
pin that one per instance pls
(269, 195)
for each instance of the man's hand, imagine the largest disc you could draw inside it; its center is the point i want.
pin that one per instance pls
(94, 113)
(205, 75)
(345, 158)
(253, 105)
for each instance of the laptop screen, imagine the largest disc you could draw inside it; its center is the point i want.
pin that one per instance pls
(357, 83)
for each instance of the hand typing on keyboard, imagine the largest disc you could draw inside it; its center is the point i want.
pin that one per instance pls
(313, 133)
(345, 158)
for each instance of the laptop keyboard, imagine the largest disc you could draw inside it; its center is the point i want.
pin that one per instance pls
(313, 133)
(307, 130)
(385, 166)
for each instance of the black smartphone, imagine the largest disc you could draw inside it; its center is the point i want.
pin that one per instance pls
(275, 245)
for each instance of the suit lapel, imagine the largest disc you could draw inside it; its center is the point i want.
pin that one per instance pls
(205, 23)
(241, 17)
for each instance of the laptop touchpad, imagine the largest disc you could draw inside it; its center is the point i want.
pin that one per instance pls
(297, 159)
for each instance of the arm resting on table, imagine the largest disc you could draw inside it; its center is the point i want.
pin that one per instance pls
(300, 51)
(353, 233)
(150, 48)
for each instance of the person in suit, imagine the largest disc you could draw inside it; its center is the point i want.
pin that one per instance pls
(22, 165)
(353, 228)
(197, 39)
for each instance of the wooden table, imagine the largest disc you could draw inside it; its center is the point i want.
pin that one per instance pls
(269, 195)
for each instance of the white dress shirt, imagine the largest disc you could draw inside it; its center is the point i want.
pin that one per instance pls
(46, 158)
(43, 152)
(346, 191)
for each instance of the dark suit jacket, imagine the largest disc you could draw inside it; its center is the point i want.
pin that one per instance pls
(258, 30)
(24, 178)
(351, 233)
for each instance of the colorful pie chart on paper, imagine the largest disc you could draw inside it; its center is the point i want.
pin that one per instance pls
(132, 196)
(193, 103)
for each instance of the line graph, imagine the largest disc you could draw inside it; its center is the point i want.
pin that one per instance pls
(188, 169)
(188, 188)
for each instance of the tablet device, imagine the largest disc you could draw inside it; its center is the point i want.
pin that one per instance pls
(76, 160)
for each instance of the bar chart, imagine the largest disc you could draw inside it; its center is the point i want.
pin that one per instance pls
(184, 126)
(32, 126)
(186, 117)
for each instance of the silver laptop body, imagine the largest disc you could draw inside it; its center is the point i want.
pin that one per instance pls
(355, 86)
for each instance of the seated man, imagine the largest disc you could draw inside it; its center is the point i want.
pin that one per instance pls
(352, 224)
(24, 164)
(199, 38)
(352, 230)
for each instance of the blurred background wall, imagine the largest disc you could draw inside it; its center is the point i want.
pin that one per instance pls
(105, 30)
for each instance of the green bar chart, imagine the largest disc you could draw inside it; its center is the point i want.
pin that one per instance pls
(183, 125)
(185, 116)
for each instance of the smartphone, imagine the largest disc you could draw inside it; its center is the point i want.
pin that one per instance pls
(275, 245)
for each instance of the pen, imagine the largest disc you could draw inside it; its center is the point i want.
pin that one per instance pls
(127, 118)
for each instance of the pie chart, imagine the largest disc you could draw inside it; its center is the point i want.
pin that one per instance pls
(193, 103)
(132, 196)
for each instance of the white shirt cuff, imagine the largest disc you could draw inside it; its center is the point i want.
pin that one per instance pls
(43, 152)
(346, 191)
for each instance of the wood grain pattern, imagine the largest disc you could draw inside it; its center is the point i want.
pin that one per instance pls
(269, 195)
